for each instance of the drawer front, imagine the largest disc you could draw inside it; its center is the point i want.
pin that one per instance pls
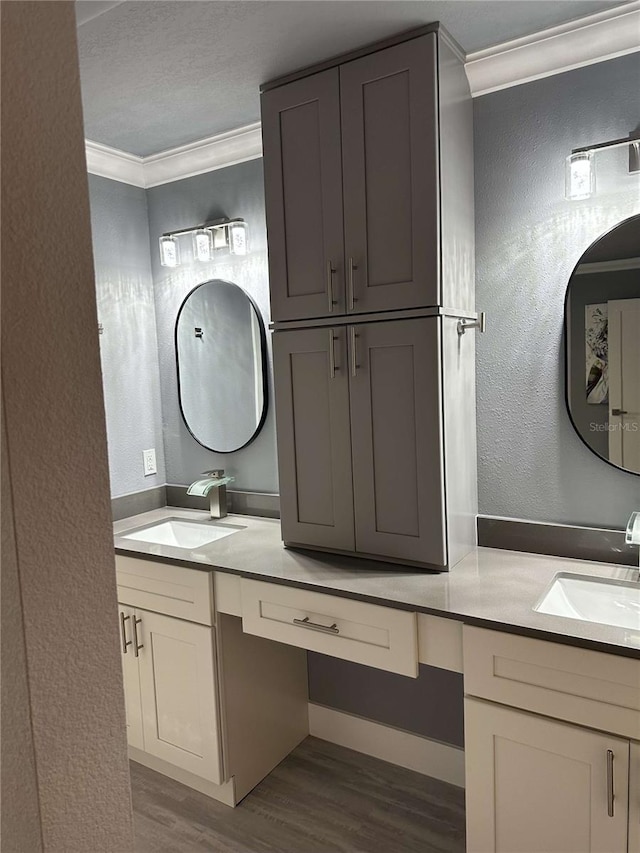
(162, 588)
(352, 630)
(590, 688)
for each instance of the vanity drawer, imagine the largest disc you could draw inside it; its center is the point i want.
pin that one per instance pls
(591, 688)
(163, 588)
(353, 630)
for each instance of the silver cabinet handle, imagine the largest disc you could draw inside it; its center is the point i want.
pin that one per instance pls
(125, 643)
(352, 296)
(610, 791)
(618, 412)
(314, 626)
(137, 645)
(332, 356)
(330, 274)
(354, 350)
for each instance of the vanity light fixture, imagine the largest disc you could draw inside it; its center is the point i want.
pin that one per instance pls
(169, 251)
(580, 171)
(227, 235)
(238, 238)
(202, 245)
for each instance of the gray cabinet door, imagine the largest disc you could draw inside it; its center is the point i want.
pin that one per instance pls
(390, 168)
(314, 447)
(396, 411)
(303, 191)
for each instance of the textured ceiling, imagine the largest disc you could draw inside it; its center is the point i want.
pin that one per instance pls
(162, 73)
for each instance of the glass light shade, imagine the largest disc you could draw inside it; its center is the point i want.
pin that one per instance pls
(169, 252)
(238, 238)
(580, 177)
(202, 245)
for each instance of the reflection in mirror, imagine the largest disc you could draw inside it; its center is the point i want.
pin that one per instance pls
(221, 357)
(602, 329)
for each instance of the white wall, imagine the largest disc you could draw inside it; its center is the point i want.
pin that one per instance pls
(70, 792)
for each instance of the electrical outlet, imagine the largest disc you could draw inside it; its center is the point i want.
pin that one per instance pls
(149, 462)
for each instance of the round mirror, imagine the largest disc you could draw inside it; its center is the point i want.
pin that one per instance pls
(222, 366)
(602, 334)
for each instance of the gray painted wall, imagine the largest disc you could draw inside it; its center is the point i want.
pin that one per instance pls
(128, 345)
(531, 462)
(234, 192)
(429, 705)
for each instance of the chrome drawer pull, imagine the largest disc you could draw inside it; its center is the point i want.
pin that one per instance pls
(332, 356)
(352, 297)
(330, 274)
(610, 793)
(138, 645)
(354, 351)
(125, 643)
(314, 626)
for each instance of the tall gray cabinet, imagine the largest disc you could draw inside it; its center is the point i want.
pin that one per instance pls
(369, 194)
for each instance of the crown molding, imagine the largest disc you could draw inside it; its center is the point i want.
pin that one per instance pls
(215, 152)
(114, 164)
(206, 155)
(591, 39)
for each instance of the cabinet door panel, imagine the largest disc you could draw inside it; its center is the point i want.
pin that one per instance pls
(303, 187)
(177, 682)
(533, 784)
(314, 449)
(390, 157)
(396, 438)
(131, 679)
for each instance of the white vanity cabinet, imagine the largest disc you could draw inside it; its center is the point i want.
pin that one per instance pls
(551, 752)
(171, 691)
(534, 784)
(206, 704)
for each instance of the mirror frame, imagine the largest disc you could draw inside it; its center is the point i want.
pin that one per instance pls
(567, 399)
(263, 360)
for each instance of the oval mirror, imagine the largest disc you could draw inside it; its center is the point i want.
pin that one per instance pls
(602, 334)
(222, 366)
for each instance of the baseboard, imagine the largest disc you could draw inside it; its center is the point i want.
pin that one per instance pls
(429, 757)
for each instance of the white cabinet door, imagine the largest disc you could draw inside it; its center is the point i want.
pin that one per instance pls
(131, 678)
(634, 799)
(178, 688)
(534, 784)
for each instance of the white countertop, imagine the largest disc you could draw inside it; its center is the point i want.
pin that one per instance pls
(490, 587)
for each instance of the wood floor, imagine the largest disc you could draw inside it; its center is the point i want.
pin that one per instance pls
(321, 799)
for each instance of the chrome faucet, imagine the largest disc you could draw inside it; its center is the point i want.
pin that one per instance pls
(633, 534)
(214, 484)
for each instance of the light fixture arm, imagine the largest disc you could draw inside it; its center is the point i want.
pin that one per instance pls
(632, 139)
(212, 223)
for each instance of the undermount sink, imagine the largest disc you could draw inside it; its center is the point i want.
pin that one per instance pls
(592, 599)
(181, 534)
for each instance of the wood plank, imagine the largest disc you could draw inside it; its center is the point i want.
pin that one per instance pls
(321, 798)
